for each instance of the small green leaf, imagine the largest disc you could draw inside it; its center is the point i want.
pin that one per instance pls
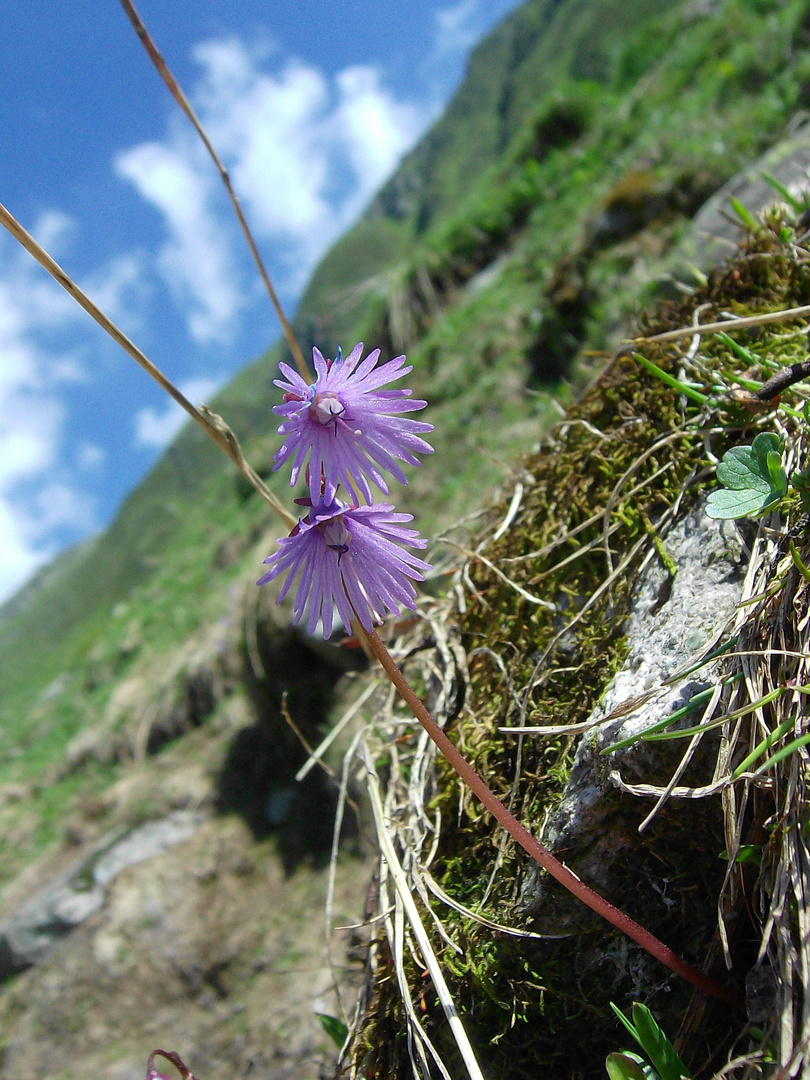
(776, 473)
(334, 1028)
(801, 482)
(753, 479)
(797, 205)
(657, 1046)
(746, 853)
(725, 505)
(627, 1067)
(744, 214)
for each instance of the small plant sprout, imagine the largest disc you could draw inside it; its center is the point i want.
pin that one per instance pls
(753, 479)
(664, 1063)
(334, 1028)
(153, 1073)
(744, 214)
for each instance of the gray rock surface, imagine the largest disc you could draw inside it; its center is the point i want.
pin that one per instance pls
(716, 229)
(670, 623)
(27, 936)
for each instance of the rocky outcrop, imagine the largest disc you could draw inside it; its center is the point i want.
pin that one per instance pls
(670, 621)
(209, 949)
(28, 934)
(716, 230)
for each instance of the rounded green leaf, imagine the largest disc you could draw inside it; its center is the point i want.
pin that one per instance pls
(625, 1067)
(753, 479)
(726, 505)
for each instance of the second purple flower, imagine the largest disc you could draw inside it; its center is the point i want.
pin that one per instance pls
(350, 558)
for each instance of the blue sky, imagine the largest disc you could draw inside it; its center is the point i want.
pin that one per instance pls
(310, 104)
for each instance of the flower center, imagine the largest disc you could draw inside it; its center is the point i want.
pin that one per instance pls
(327, 409)
(336, 535)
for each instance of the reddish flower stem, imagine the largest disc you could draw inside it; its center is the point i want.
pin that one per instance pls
(538, 852)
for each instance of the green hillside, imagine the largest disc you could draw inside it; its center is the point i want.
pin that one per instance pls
(506, 256)
(510, 246)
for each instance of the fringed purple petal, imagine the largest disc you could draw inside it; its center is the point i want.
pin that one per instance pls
(350, 362)
(318, 360)
(387, 373)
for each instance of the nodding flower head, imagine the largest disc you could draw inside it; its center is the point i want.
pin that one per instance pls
(349, 558)
(350, 428)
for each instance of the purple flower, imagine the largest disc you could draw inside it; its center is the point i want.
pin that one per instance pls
(349, 426)
(349, 558)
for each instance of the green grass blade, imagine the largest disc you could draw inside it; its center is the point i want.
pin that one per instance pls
(786, 751)
(739, 350)
(685, 732)
(657, 1046)
(620, 1015)
(761, 747)
(720, 650)
(670, 380)
(744, 214)
(798, 205)
(692, 704)
(797, 561)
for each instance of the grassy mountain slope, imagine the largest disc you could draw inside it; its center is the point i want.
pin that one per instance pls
(52, 623)
(543, 47)
(519, 234)
(521, 231)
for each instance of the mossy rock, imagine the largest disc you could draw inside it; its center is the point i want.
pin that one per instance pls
(600, 527)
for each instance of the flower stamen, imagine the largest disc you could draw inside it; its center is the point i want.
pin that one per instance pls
(337, 536)
(327, 409)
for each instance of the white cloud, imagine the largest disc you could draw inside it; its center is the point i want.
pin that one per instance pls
(55, 506)
(114, 286)
(457, 26)
(54, 231)
(17, 559)
(374, 128)
(36, 496)
(305, 153)
(195, 262)
(155, 428)
(29, 413)
(89, 457)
